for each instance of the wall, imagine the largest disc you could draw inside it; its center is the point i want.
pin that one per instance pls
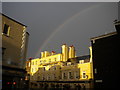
(12, 43)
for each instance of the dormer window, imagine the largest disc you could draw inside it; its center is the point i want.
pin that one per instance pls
(69, 63)
(81, 61)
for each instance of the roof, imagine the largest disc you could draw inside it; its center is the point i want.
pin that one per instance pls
(83, 57)
(13, 19)
(103, 36)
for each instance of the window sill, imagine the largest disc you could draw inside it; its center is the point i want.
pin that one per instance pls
(5, 35)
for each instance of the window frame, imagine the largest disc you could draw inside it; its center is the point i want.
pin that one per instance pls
(7, 30)
(83, 74)
(69, 75)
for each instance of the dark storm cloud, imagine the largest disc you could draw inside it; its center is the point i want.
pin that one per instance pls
(52, 24)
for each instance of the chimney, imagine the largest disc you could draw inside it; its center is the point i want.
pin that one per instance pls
(30, 58)
(64, 52)
(47, 53)
(53, 52)
(42, 54)
(72, 52)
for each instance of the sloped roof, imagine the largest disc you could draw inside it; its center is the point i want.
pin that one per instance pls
(12, 19)
(83, 57)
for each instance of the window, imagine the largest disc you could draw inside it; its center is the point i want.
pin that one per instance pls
(77, 76)
(27, 64)
(49, 60)
(60, 77)
(43, 78)
(40, 61)
(36, 62)
(32, 77)
(44, 69)
(84, 75)
(54, 68)
(3, 51)
(64, 76)
(54, 76)
(32, 69)
(55, 59)
(70, 75)
(72, 63)
(6, 29)
(44, 61)
(49, 77)
(38, 77)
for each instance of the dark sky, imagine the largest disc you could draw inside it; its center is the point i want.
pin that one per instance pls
(52, 24)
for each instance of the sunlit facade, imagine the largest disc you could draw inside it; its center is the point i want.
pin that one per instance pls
(63, 69)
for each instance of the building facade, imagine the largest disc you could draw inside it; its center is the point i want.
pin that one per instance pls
(14, 49)
(106, 58)
(63, 70)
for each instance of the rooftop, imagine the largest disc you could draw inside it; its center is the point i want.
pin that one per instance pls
(103, 36)
(12, 19)
(83, 57)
